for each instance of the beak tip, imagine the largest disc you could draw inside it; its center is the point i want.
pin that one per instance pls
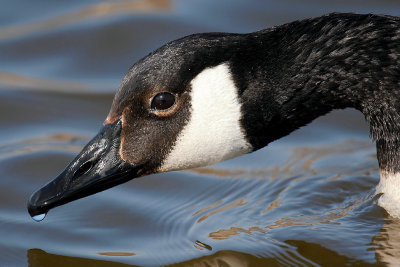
(35, 208)
(95, 169)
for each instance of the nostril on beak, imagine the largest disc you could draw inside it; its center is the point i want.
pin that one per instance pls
(84, 168)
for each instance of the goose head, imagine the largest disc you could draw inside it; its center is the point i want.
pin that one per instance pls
(177, 108)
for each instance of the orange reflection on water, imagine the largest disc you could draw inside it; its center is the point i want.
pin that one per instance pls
(94, 11)
(226, 233)
(308, 220)
(117, 254)
(309, 155)
(301, 159)
(237, 203)
(274, 204)
(17, 81)
(207, 208)
(283, 222)
(218, 172)
(50, 142)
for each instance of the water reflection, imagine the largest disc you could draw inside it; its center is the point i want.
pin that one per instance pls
(40, 258)
(322, 256)
(94, 11)
(63, 141)
(242, 214)
(117, 254)
(236, 203)
(300, 159)
(21, 82)
(299, 253)
(227, 233)
(387, 243)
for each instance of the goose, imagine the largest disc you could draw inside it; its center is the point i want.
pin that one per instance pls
(211, 97)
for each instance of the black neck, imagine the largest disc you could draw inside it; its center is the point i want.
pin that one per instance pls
(305, 69)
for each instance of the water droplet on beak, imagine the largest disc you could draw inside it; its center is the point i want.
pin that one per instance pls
(39, 217)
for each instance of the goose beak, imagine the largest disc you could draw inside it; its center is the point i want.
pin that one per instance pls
(97, 168)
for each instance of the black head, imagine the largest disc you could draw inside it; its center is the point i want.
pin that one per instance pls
(149, 113)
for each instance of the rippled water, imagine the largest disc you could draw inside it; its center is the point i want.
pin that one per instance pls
(307, 199)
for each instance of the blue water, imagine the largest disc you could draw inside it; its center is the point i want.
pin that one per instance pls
(305, 200)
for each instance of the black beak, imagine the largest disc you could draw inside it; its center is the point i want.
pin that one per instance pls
(96, 168)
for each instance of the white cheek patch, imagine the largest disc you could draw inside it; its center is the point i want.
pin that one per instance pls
(389, 185)
(213, 133)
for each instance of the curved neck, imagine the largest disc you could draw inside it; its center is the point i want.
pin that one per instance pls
(307, 68)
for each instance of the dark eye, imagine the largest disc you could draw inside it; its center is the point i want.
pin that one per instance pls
(163, 101)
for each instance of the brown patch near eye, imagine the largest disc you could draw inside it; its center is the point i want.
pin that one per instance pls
(114, 114)
(148, 136)
(111, 119)
(121, 147)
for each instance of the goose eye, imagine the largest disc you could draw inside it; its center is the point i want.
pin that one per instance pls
(163, 101)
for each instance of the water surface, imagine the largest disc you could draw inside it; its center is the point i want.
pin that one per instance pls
(305, 200)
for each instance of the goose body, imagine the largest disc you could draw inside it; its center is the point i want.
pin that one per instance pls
(210, 97)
